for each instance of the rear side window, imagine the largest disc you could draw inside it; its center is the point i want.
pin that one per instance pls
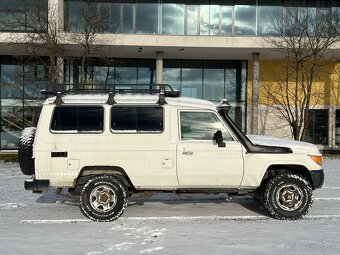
(78, 119)
(147, 119)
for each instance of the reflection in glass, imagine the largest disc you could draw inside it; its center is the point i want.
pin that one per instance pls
(192, 79)
(214, 19)
(32, 109)
(245, 19)
(11, 81)
(147, 17)
(270, 19)
(22, 15)
(227, 20)
(126, 73)
(230, 83)
(146, 71)
(112, 23)
(201, 126)
(12, 123)
(74, 16)
(127, 24)
(173, 18)
(172, 73)
(103, 76)
(213, 82)
(192, 15)
(204, 19)
(336, 15)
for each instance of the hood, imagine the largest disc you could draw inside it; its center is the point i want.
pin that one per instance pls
(296, 146)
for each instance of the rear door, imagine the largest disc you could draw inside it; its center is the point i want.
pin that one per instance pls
(200, 162)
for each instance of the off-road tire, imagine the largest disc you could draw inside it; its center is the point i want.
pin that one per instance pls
(272, 201)
(119, 191)
(25, 151)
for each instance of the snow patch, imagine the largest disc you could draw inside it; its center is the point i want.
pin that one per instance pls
(148, 251)
(56, 221)
(117, 247)
(12, 205)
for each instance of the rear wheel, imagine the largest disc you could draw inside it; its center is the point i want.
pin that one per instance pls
(288, 196)
(103, 198)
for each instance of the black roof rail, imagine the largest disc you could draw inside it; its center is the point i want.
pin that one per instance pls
(163, 90)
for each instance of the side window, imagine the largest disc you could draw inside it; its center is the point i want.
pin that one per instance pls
(135, 119)
(78, 119)
(201, 126)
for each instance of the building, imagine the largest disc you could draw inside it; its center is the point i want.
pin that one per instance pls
(207, 49)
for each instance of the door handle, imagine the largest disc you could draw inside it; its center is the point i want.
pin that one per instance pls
(187, 153)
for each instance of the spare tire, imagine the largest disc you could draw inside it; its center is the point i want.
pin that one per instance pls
(26, 151)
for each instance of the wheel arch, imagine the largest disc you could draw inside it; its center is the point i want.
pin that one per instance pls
(275, 169)
(88, 172)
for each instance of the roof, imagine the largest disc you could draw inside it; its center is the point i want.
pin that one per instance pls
(101, 98)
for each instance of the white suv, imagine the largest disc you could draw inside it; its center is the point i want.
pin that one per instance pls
(106, 146)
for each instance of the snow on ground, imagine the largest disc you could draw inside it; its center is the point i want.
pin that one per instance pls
(164, 223)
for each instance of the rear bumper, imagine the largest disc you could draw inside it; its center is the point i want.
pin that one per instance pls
(318, 178)
(37, 185)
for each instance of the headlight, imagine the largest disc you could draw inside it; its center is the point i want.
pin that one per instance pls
(317, 159)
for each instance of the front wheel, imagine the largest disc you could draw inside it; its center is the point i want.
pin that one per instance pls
(103, 198)
(288, 196)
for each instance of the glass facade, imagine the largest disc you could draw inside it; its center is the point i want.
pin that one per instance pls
(211, 80)
(197, 17)
(208, 79)
(22, 15)
(20, 104)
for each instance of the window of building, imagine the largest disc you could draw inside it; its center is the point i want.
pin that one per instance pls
(23, 15)
(245, 17)
(78, 119)
(135, 119)
(211, 80)
(147, 17)
(191, 19)
(317, 129)
(227, 20)
(20, 97)
(201, 126)
(192, 82)
(337, 127)
(173, 14)
(270, 17)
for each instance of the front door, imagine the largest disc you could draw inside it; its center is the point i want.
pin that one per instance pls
(200, 161)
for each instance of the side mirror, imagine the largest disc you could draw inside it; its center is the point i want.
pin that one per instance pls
(219, 139)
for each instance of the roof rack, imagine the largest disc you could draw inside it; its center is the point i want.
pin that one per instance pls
(163, 90)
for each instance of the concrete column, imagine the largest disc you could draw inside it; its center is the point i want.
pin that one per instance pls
(331, 127)
(255, 94)
(159, 67)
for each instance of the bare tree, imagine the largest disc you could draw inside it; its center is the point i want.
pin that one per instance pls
(40, 19)
(93, 19)
(303, 41)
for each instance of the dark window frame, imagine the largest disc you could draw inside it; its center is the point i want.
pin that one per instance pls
(138, 132)
(81, 131)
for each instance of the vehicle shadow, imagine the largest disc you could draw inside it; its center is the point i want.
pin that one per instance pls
(136, 200)
(52, 196)
(247, 202)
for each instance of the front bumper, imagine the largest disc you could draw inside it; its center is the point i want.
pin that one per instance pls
(318, 178)
(37, 185)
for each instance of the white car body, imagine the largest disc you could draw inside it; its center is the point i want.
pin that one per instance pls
(157, 161)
